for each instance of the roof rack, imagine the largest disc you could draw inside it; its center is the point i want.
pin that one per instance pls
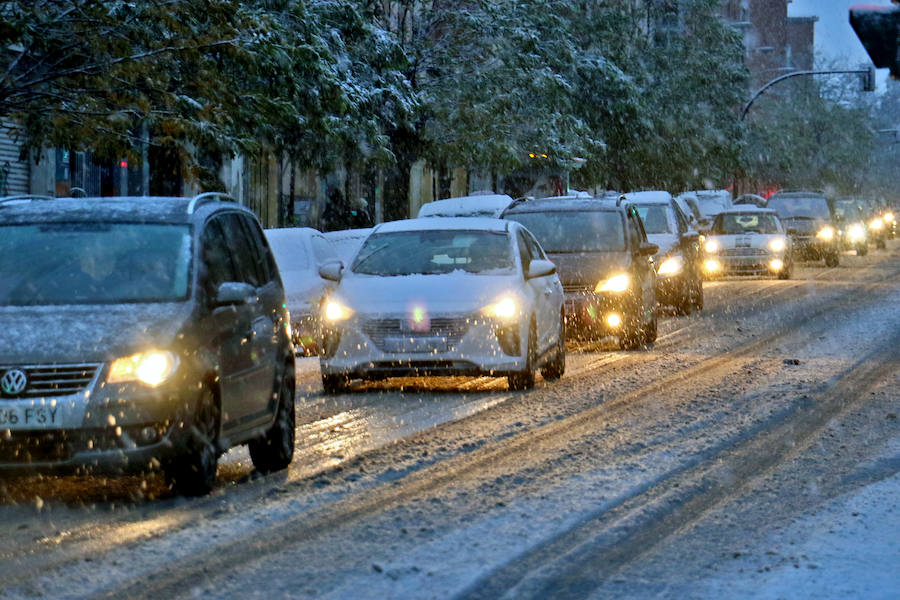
(207, 197)
(24, 198)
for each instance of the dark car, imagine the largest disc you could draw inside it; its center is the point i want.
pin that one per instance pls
(851, 220)
(141, 334)
(811, 225)
(679, 262)
(604, 262)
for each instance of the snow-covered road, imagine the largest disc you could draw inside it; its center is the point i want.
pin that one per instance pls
(756, 435)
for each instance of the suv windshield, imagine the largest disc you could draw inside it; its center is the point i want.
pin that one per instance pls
(96, 263)
(735, 224)
(575, 231)
(435, 252)
(657, 218)
(848, 210)
(813, 207)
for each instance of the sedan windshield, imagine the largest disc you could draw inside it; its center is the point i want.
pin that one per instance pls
(736, 224)
(434, 252)
(812, 207)
(67, 263)
(575, 231)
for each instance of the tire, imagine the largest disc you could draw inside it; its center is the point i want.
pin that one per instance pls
(524, 379)
(786, 272)
(335, 384)
(193, 473)
(698, 294)
(274, 451)
(832, 260)
(881, 244)
(685, 303)
(650, 329)
(862, 249)
(557, 365)
(632, 337)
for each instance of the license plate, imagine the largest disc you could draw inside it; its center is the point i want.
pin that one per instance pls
(28, 417)
(415, 344)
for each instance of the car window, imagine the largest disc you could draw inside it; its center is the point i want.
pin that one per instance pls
(575, 231)
(536, 251)
(216, 256)
(525, 253)
(243, 250)
(657, 218)
(800, 206)
(680, 219)
(634, 230)
(740, 223)
(258, 251)
(434, 252)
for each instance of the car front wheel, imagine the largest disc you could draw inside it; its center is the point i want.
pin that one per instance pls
(557, 365)
(524, 379)
(193, 473)
(275, 450)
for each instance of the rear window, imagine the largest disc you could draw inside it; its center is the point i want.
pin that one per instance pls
(813, 207)
(575, 231)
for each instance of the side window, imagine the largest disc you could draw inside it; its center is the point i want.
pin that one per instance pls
(261, 255)
(216, 256)
(536, 250)
(634, 230)
(681, 219)
(524, 251)
(323, 250)
(243, 250)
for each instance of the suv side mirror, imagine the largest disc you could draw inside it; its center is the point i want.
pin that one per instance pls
(648, 249)
(234, 293)
(540, 268)
(331, 271)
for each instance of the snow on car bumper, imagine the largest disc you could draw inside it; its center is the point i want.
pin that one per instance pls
(455, 345)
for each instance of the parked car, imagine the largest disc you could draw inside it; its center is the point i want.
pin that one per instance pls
(461, 296)
(852, 227)
(605, 263)
(300, 252)
(811, 225)
(141, 333)
(679, 262)
(480, 205)
(748, 240)
(346, 242)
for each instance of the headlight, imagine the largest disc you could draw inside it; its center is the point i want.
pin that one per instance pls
(856, 232)
(713, 246)
(888, 217)
(504, 309)
(776, 264)
(151, 368)
(777, 245)
(671, 266)
(827, 233)
(712, 266)
(876, 224)
(335, 311)
(616, 284)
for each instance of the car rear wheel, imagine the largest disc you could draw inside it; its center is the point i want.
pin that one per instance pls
(524, 379)
(335, 384)
(275, 451)
(193, 473)
(557, 365)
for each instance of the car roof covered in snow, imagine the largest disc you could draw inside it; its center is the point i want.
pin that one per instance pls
(649, 197)
(747, 209)
(474, 206)
(125, 209)
(561, 204)
(451, 223)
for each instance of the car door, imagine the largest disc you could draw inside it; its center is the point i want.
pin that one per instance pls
(689, 242)
(258, 371)
(550, 300)
(644, 267)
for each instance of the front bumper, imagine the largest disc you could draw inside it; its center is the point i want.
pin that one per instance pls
(672, 290)
(595, 314)
(757, 265)
(812, 248)
(369, 346)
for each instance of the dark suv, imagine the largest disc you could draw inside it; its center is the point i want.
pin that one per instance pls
(140, 334)
(810, 223)
(604, 262)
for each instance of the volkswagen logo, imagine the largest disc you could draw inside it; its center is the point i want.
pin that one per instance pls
(13, 382)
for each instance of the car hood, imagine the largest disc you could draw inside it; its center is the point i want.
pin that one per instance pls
(804, 225)
(86, 333)
(667, 242)
(588, 267)
(456, 292)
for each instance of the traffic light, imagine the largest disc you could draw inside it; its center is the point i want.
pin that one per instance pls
(878, 28)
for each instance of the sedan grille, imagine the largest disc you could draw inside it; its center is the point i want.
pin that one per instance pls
(745, 252)
(390, 335)
(51, 380)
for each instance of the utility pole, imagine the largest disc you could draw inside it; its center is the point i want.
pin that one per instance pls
(868, 81)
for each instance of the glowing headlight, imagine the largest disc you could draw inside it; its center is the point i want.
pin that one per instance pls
(826, 233)
(671, 266)
(856, 232)
(876, 224)
(507, 308)
(713, 246)
(776, 264)
(616, 284)
(150, 368)
(888, 217)
(712, 266)
(335, 311)
(777, 245)
(614, 320)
